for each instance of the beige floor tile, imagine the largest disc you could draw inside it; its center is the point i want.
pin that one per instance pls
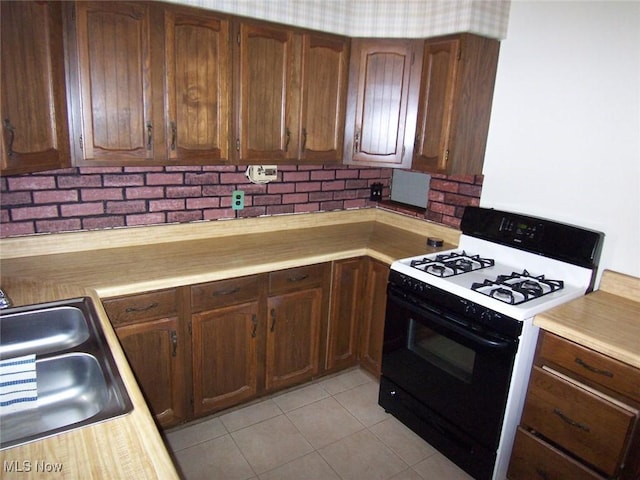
(309, 467)
(250, 415)
(269, 444)
(362, 456)
(324, 422)
(402, 441)
(439, 466)
(362, 403)
(195, 433)
(410, 474)
(216, 459)
(345, 381)
(300, 397)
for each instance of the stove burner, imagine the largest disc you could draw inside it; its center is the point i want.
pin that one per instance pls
(518, 287)
(450, 264)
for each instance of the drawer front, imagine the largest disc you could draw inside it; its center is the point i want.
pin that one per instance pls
(141, 307)
(591, 427)
(532, 458)
(298, 278)
(591, 365)
(208, 296)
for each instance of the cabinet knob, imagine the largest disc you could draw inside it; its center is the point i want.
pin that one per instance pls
(12, 133)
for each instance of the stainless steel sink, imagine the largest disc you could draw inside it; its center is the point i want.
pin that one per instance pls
(42, 331)
(77, 380)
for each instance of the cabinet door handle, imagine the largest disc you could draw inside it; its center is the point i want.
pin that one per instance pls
(174, 135)
(174, 342)
(304, 139)
(593, 369)
(254, 320)
(12, 133)
(149, 135)
(273, 319)
(298, 278)
(286, 145)
(571, 422)
(141, 309)
(221, 293)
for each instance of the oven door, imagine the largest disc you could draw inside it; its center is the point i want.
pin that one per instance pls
(460, 373)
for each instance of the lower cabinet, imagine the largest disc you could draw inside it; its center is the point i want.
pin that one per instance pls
(227, 328)
(150, 329)
(346, 305)
(580, 418)
(298, 306)
(373, 308)
(199, 349)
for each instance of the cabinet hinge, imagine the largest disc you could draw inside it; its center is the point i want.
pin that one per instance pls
(446, 155)
(237, 144)
(190, 328)
(238, 38)
(81, 140)
(459, 53)
(413, 57)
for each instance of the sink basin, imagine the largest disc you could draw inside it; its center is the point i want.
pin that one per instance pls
(77, 380)
(42, 331)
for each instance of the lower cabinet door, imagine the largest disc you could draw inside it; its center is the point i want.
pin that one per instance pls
(532, 458)
(225, 356)
(154, 351)
(374, 301)
(293, 332)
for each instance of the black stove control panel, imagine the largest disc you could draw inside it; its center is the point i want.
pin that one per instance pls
(451, 305)
(568, 243)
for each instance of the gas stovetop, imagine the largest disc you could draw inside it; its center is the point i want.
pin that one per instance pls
(511, 263)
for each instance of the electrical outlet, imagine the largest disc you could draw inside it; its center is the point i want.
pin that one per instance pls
(237, 200)
(376, 192)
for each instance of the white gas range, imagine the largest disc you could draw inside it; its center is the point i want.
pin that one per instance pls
(459, 335)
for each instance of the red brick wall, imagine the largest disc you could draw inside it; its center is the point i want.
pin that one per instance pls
(97, 198)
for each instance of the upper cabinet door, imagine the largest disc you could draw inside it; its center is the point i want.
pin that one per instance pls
(35, 134)
(265, 115)
(325, 69)
(440, 65)
(114, 58)
(383, 77)
(454, 109)
(198, 86)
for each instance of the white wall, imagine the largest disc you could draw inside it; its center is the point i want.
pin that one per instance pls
(564, 140)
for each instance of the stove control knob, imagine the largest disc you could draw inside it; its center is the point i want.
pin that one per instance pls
(470, 309)
(486, 316)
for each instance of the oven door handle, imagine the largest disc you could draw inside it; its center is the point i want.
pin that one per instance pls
(452, 325)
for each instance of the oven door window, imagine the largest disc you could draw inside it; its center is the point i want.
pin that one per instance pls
(442, 352)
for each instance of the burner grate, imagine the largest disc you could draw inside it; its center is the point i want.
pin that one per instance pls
(452, 263)
(518, 287)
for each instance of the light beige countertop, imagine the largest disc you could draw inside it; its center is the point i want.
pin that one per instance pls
(102, 264)
(606, 320)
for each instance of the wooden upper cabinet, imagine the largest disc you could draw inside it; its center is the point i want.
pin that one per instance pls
(115, 82)
(325, 69)
(198, 86)
(265, 104)
(383, 85)
(35, 135)
(458, 76)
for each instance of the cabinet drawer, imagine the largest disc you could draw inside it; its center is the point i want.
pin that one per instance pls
(533, 458)
(208, 296)
(145, 306)
(585, 424)
(296, 278)
(591, 365)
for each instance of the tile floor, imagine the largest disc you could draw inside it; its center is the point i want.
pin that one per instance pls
(328, 430)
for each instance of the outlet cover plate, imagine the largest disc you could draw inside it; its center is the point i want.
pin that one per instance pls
(237, 200)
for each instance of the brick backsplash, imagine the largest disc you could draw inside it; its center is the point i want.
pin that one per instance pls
(89, 198)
